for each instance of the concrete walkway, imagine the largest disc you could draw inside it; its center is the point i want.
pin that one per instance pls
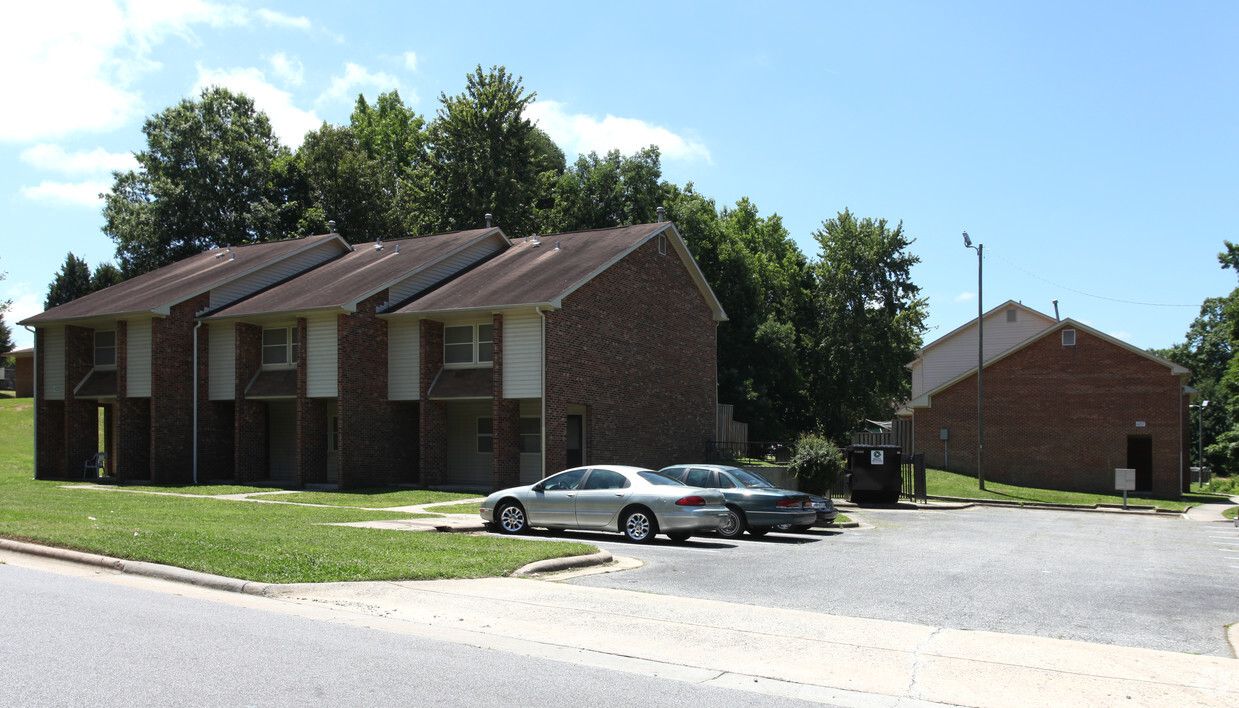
(1212, 512)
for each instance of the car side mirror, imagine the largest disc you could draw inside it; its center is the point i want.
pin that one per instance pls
(538, 487)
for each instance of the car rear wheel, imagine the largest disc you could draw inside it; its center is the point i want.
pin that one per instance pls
(733, 524)
(679, 536)
(639, 526)
(511, 518)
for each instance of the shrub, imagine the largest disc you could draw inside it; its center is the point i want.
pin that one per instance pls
(817, 463)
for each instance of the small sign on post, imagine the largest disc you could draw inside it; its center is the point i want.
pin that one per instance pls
(1124, 479)
(877, 458)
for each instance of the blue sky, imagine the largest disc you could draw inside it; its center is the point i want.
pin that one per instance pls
(1091, 147)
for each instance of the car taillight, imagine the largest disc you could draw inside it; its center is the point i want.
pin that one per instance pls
(789, 504)
(691, 501)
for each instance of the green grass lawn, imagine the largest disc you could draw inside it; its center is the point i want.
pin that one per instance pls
(469, 508)
(1231, 512)
(278, 543)
(940, 483)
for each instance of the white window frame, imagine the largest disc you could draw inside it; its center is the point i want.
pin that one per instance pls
(479, 347)
(1069, 334)
(535, 437)
(289, 346)
(489, 437)
(97, 348)
(662, 244)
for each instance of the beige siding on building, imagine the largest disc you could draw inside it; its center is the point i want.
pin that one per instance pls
(465, 465)
(252, 283)
(222, 361)
(321, 356)
(522, 355)
(441, 270)
(138, 358)
(403, 358)
(956, 354)
(52, 387)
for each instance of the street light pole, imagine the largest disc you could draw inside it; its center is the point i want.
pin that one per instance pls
(979, 248)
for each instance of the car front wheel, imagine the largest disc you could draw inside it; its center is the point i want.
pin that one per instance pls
(511, 518)
(732, 525)
(639, 526)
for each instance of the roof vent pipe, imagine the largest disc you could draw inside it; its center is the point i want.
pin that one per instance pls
(534, 243)
(397, 249)
(1056, 310)
(378, 244)
(232, 257)
(660, 214)
(331, 226)
(488, 218)
(557, 245)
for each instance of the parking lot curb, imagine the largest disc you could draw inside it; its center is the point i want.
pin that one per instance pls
(1103, 508)
(554, 565)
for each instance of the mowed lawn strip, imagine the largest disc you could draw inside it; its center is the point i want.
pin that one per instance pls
(275, 543)
(940, 483)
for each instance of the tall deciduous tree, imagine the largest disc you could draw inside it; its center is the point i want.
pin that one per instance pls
(72, 282)
(599, 192)
(484, 156)
(349, 186)
(205, 180)
(870, 321)
(1207, 352)
(6, 334)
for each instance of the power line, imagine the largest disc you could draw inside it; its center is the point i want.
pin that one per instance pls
(1081, 292)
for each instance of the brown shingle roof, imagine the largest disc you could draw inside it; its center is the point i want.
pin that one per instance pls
(356, 275)
(161, 288)
(525, 274)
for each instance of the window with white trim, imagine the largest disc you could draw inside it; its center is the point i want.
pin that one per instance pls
(1069, 337)
(105, 348)
(469, 344)
(662, 244)
(531, 435)
(279, 346)
(486, 436)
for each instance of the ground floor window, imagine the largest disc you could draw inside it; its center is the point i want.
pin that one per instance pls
(486, 436)
(531, 435)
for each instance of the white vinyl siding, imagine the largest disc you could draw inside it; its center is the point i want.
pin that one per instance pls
(441, 271)
(403, 358)
(272, 274)
(522, 355)
(223, 361)
(138, 358)
(321, 356)
(53, 384)
(465, 465)
(953, 356)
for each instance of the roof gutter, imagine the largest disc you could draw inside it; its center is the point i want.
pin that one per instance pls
(35, 393)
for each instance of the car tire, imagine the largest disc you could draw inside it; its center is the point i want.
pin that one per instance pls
(511, 518)
(732, 525)
(679, 536)
(759, 531)
(639, 526)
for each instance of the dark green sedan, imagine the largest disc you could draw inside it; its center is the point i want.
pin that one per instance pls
(755, 505)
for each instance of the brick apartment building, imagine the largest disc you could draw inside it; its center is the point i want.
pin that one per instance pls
(462, 359)
(1064, 406)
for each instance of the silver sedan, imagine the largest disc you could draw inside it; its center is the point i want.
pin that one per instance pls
(634, 501)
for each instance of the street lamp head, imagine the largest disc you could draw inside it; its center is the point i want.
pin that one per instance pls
(1204, 404)
(967, 241)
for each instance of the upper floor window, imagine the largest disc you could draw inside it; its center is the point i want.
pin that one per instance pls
(279, 346)
(105, 348)
(469, 344)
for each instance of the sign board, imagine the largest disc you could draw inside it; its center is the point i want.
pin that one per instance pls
(877, 457)
(1140, 424)
(1124, 480)
(942, 433)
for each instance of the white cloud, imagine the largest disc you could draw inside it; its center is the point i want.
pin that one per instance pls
(289, 122)
(965, 297)
(346, 88)
(279, 19)
(291, 71)
(581, 133)
(96, 162)
(410, 61)
(27, 302)
(85, 194)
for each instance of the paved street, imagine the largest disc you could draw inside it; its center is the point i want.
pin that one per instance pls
(1157, 583)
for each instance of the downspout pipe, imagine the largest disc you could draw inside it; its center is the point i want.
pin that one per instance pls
(542, 315)
(196, 327)
(35, 393)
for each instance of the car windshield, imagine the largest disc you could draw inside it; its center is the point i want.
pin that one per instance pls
(750, 480)
(656, 478)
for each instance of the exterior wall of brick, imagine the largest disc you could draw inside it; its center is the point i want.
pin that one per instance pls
(374, 448)
(172, 392)
(50, 444)
(637, 346)
(506, 418)
(311, 420)
(216, 426)
(1060, 417)
(432, 415)
(249, 417)
(130, 447)
(81, 438)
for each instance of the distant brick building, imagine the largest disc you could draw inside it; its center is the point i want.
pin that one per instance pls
(460, 359)
(1064, 406)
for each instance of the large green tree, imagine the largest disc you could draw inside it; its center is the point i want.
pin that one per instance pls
(870, 321)
(1207, 351)
(347, 185)
(599, 192)
(484, 156)
(72, 282)
(204, 180)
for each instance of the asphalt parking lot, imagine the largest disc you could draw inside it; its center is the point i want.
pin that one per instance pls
(1131, 580)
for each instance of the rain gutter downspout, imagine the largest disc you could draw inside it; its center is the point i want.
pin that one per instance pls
(542, 464)
(35, 392)
(196, 326)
